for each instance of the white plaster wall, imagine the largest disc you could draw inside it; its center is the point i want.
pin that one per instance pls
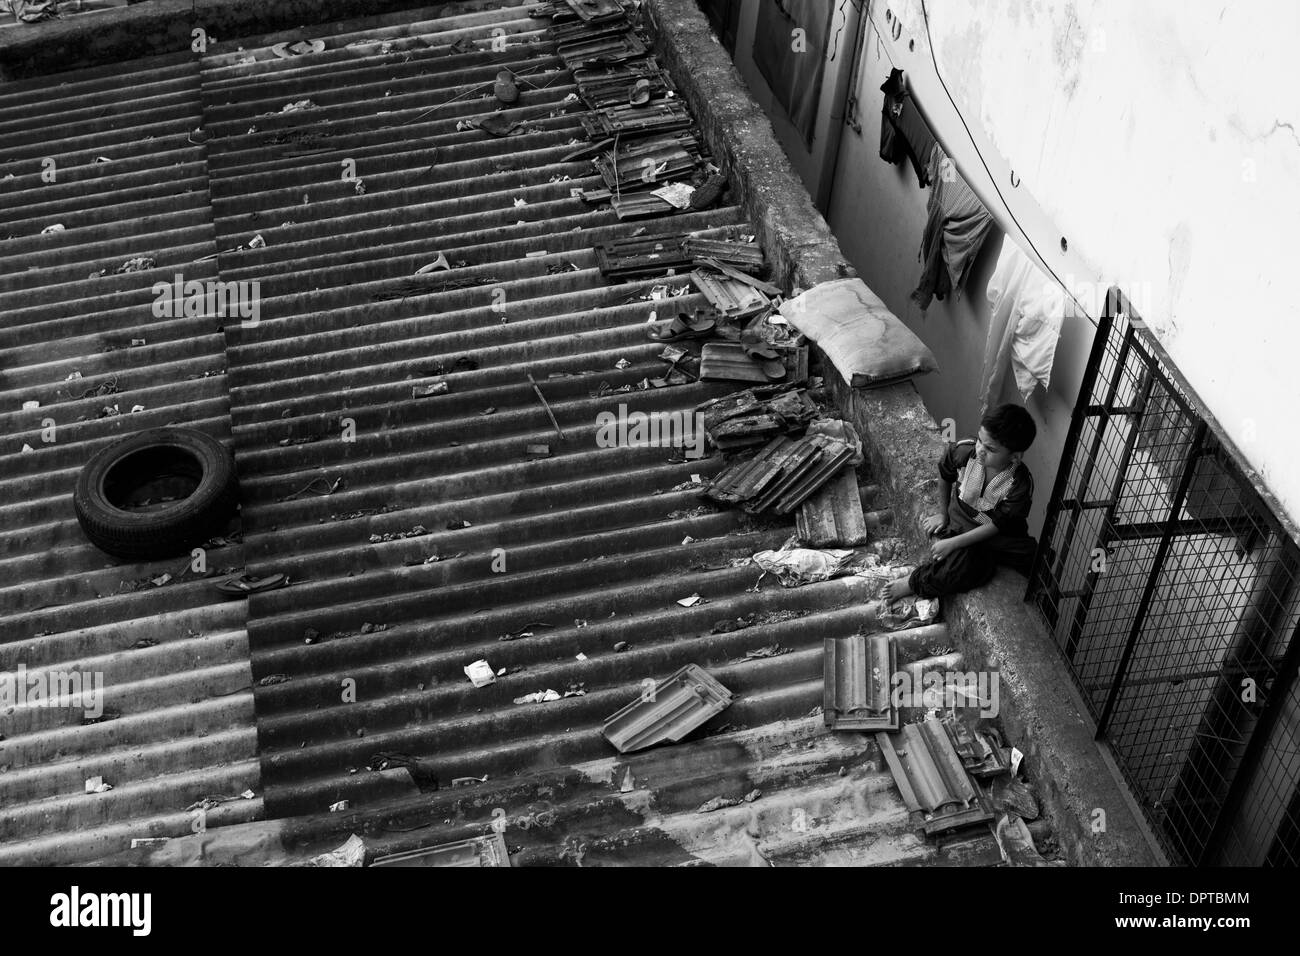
(1161, 137)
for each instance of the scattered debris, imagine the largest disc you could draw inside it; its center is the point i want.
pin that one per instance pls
(691, 601)
(97, 785)
(272, 679)
(717, 803)
(798, 566)
(538, 697)
(418, 531)
(338, 807)
(1016, 842)
(549, 414)
(1010, 795)
(298, 48)
(677, 195)
(351, 853)
(438, 263)
(137, 264)
(425, 391)
(480, 673)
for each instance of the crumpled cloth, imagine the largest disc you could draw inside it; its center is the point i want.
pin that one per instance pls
(956, 226)
(903, 133)
(30, 11)
(798, 566)
(351, 853)
(1028, 310)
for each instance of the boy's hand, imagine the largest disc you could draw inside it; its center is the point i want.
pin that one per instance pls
(933, 524)
(942, 548)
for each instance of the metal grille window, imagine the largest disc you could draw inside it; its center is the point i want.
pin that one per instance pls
(1171, 584)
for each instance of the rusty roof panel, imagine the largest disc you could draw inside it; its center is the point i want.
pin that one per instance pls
(833, 516)
(666, 712)
(931, 778)
(857, 683)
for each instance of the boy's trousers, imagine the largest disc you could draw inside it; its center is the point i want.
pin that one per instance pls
(968, 568)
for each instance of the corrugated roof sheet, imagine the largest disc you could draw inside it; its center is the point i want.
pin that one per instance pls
(109, 155)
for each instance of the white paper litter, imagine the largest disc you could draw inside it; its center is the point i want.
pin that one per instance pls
(480, 673)
(28, 406)
(678, 195)
(537, 697)
(1016, 757)
(338, 807)
(691, 601)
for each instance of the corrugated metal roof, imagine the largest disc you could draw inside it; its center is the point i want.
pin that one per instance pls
(443, 534)
(108, 154)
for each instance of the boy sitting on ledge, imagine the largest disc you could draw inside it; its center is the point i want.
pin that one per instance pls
(985, 523)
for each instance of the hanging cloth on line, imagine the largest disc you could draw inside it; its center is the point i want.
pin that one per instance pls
(955, 230)
(903, 133)
(1028, 311)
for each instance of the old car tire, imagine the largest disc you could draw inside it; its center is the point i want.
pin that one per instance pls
(116, 496)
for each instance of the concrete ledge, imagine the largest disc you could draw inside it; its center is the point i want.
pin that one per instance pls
(992, 627)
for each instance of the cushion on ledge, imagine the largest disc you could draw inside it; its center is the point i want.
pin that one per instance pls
(867, 344)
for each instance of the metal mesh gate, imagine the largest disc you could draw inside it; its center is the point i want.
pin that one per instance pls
(1170, 584)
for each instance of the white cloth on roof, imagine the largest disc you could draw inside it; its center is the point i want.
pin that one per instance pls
(1028, 310)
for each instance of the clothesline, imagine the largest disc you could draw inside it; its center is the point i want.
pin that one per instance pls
(1013, 229)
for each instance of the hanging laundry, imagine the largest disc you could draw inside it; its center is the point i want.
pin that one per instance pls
(903, 133)
(1028, 310)
(955, 230)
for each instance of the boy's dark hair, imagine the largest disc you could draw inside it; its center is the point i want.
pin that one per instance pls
(1010, 426)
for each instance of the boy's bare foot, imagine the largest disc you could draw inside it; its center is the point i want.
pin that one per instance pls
(898, 588)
